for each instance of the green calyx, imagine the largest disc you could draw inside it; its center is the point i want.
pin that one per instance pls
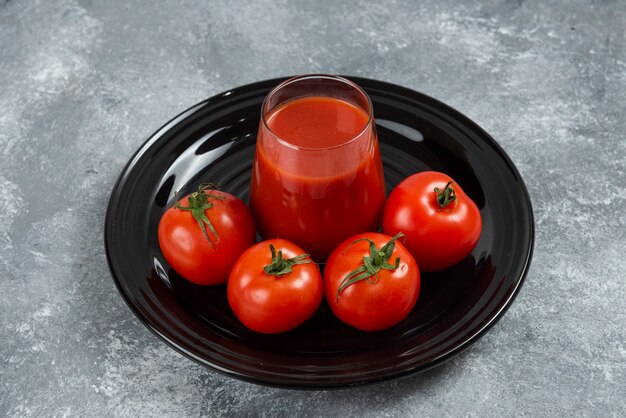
(281, 266)
(445, 196)
(198, 204)
(377, 260)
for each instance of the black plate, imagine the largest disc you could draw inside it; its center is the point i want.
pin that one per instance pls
(214, 141)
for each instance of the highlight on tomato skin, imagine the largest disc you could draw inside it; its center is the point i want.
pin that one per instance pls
(441, 222)
(274, 287)
(204, 233)
(371, 281)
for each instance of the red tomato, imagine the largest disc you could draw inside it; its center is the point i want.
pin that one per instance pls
(371, 281)
(204, 233)
(271, 294)
(441, 223)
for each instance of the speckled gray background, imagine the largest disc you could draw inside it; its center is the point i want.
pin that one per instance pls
(83, 83)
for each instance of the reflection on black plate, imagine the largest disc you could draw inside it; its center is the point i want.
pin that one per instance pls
(214, 141)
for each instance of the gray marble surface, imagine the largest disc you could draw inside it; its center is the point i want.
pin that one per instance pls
(83, 83)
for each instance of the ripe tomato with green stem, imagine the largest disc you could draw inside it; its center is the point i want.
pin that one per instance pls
(204, 233)
(441, 223)
(371, 281)
(274, 287)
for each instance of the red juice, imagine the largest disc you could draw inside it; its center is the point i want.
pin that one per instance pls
(317, 177)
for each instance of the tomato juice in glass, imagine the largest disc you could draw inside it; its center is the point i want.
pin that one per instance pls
(317, 177)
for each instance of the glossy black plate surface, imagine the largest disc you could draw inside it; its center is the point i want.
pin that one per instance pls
(214, 142)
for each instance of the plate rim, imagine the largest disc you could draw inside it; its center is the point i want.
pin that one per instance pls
(473, 338)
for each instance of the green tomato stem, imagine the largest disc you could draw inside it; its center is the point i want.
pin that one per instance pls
(445, 196)
(281, 266)
(198, 204)
(372, 264)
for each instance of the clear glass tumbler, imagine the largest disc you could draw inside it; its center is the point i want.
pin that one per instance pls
(317, 177)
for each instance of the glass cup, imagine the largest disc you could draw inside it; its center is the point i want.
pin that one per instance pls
(317, 177)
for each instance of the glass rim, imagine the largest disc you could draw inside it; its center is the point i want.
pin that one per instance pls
(282, 141)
